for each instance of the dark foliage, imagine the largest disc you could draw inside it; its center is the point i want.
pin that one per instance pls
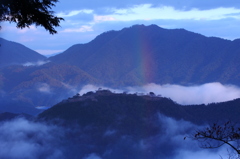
(28, 12)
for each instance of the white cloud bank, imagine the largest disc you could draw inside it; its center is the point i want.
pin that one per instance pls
(206, 93)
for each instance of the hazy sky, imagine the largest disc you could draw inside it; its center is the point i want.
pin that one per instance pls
(85, 19)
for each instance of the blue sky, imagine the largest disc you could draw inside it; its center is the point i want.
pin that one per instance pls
(85, 19)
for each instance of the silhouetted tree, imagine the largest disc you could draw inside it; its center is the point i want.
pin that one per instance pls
(151, 94)
(218, 135)
(27, 12)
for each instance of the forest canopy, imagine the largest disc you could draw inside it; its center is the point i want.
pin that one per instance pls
(28, 12)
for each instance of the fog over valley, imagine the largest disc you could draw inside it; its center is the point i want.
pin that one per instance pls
(24, 139)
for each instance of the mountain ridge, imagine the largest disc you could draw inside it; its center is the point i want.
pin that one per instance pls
(104, 104)
(170, 56)
(12, 53)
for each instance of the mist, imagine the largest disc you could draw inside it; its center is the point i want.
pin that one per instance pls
(24, 139)
(38, 63)
(44, 88)
(185, 95)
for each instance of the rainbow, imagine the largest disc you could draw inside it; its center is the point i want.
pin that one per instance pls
(145, 57)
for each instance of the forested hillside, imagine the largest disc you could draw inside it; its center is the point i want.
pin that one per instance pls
(142, 54)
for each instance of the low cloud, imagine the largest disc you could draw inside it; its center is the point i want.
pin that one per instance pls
(206, 93)
(44, 88)
(169, 143)
(185, 95)
(38, 63)
(24, 139)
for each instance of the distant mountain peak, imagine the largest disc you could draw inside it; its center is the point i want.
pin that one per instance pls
(141, 54)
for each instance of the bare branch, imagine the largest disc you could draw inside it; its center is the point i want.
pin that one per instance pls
(217, 135)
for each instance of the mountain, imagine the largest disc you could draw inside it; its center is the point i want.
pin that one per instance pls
(104, 108)
(133, 56)
(143, 54)
(23, 88)
(12, 53)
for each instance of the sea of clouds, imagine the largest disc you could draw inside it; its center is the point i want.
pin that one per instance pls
(185, 95)
(24, 139)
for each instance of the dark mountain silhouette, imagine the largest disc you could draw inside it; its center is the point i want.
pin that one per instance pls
(12, 53)
(142, 54)
(104, 108)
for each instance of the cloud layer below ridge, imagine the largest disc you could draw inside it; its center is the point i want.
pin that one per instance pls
(198, 94)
